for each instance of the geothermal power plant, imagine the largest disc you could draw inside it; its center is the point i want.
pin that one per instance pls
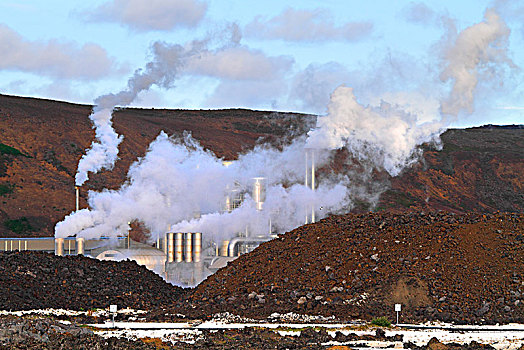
(181, 258)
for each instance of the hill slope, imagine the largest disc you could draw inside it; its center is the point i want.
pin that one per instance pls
(41, 142)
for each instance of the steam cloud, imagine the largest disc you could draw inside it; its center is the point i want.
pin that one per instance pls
(177, 178)
(168, 61)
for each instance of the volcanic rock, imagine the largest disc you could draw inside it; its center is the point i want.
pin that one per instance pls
(473, 273)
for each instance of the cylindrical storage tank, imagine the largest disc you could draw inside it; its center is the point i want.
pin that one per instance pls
(170, 247)
(188, 249)
(223, 249)
(165, 244)
(178, 246)
(59, 246)
(79, 245)
(197, 247)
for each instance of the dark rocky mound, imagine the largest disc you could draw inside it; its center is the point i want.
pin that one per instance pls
(439, 266)
(47, 333)
(35, 280)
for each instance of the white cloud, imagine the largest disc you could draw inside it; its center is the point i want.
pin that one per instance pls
(53, 58)
(418, 12)
(311, 87)
(239, 63)
(307, 26)
(146, 15)
(247, 94)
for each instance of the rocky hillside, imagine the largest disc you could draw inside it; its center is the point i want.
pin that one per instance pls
(41, 142)
(439, 266)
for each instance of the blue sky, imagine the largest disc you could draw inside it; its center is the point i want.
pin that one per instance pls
(286, 56)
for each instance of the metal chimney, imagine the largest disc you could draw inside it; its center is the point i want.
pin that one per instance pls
(259, 192)
(77, 190)
(310, 180)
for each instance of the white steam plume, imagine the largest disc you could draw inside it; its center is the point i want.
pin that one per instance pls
(481, 48)
(388, 134)
(177, 178)
(162, 70)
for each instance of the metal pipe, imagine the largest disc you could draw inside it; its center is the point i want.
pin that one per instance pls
(79, 246)
(313, 183)
(236, 240)
(188, 247)
(197, 247)
(306, 182)
(59, 246)
(77, 197)
(259, 193)
(170, 247)
(178, 246)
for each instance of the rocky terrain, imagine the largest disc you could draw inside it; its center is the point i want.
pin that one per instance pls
(48, 333)
(41, 141)
(439, 266)
(35, 280)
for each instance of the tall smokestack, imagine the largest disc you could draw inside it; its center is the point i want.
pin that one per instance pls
(313, 183)
(310, 180)
(259, 192)
(77, 189)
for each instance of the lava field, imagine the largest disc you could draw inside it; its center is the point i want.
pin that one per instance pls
(37, 280)
(456, 268)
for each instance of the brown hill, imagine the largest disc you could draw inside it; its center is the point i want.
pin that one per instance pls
(41, 142)
(439, 266)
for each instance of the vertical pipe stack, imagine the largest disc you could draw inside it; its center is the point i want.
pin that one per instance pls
(188, 247)
(170, 247)
(312, 183)
(59, 246)
(79, 246)
(259, 192)
(178, 246)
(310, 156)
(306, 182)
(77, 197)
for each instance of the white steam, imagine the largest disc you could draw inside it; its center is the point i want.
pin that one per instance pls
(388, 134)
(162, 71)
(177, 178)
(481, 48)
(166, 66)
